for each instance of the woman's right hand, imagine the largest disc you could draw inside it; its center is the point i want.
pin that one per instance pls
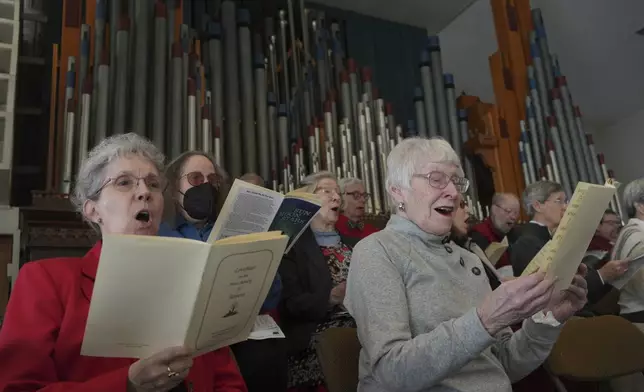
(161, 372)
(337, 294)
(514, 301)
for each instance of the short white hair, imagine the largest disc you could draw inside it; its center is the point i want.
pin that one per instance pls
(633, 194)
(311, 181)
(345, 182)
(407, 158)
(91, 175)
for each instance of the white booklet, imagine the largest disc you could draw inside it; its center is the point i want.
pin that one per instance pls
(153, 292)
(561, 256)
(253, 209)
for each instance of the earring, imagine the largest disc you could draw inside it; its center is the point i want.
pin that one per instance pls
(100, 221)
(401, 206)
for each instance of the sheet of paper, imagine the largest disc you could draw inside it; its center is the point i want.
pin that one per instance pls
(235, 284)
(634, 265)
(562, 255)
(143, 295)
(265, 328)
(495, 250)
(248, 209)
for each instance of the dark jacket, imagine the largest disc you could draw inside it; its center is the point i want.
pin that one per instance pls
(533, 237)
(306, 288)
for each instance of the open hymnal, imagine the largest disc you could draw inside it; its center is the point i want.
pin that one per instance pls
(495, 250)
(561, 256)
(253, 209)
(152, 292)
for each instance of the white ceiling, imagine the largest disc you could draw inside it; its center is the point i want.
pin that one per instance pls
(595, 40)
(433, 15)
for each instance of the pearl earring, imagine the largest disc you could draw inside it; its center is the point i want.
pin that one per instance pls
(100, 221)
(401, 206)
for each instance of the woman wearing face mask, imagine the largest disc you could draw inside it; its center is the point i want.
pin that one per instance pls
(314, 273)
(426, 316)
(197, 190)
(118, 190)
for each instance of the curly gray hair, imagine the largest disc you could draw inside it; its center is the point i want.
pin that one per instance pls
(91, 175)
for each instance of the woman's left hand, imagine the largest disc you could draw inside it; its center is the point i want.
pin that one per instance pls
(566, 303)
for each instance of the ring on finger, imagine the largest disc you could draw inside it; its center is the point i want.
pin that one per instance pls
(172, 373)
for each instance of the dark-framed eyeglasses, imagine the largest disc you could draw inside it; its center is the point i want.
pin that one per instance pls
(358, 195)
(129, 182)
(440, 180)
(197, 178)
(611, 222)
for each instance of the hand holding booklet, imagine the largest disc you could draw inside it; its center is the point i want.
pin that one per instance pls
(152, 293)
(561, 256)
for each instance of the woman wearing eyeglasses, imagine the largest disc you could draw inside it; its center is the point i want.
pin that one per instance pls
(426, 316)
(354, 200)
(314, 274)
(196, 192)
(118, 190)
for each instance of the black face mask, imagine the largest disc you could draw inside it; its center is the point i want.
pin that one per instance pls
(199, 202)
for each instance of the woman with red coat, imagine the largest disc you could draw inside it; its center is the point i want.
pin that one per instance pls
(119, 189)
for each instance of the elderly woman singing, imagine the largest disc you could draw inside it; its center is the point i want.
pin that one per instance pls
(119, 189)
(426, 316)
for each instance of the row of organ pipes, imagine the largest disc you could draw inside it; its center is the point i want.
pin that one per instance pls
(280, 104)
(554, 145)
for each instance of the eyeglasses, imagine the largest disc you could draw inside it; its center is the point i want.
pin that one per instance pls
(128, 182)
(559, 201)
(508, 210)
(440, 180)
(612, 222)
(197, 178)
(327, 191)
(358, 195)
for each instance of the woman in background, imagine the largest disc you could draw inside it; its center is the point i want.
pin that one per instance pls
(197, 190)
(630, 244)
(119, 190)
(314, 274)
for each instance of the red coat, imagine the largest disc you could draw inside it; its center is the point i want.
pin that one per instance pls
(43, 329)
(343, 227)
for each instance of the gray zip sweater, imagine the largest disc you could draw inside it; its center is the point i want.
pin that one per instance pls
(414, 300)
